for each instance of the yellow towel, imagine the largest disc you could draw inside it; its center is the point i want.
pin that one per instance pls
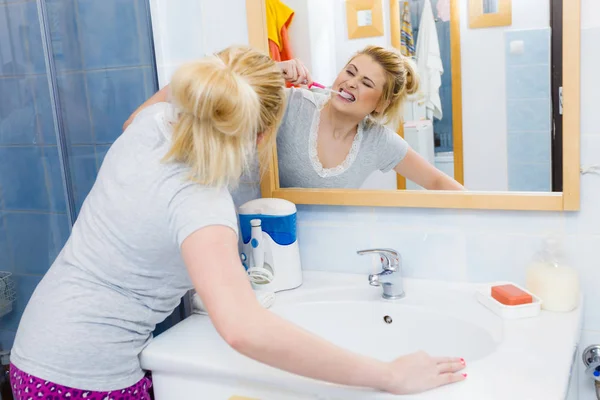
(278, 15)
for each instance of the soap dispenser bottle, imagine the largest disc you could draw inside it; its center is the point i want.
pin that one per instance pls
(552, 280)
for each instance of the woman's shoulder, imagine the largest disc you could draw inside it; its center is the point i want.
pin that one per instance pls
(152, 127)
(381, 136)
(301, 108)
(374, 130)
(162, 109)
(305, 96)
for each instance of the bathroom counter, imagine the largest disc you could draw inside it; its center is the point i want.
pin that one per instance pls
(525, 359)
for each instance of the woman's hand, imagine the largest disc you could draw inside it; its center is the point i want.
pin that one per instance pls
(419, 372)
(212, 259)
(295, 72)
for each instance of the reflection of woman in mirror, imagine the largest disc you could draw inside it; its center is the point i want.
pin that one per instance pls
(337, 141)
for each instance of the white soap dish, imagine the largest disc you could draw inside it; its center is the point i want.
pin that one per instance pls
(484, 296)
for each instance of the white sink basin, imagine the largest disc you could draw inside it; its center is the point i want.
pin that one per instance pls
(527, 359)
(408, 329)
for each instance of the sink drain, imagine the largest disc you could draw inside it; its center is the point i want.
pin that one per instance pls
(387, 319)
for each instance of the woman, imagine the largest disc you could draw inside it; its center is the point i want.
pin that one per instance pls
(158, 222)
(337, 141)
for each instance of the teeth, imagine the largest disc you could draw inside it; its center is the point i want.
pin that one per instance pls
(346, 95)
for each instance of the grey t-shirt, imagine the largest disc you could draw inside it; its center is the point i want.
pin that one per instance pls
(121, 271)
(375, 147)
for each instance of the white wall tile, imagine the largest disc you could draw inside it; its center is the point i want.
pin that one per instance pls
(473, 220)
(186, 30)
(426, 255)
(590, 148)
(422, 218)
(334, 214)
(590, 79)
(519, 222)
(586, 221)
(493, 257)
(590, 13)
(583, 253)
(333, 248)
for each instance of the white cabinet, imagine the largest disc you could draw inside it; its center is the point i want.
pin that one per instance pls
(419, 135)
(171, 387)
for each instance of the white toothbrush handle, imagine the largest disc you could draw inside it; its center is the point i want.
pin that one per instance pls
(331, 91)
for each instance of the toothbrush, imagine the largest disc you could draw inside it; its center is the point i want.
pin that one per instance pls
(317, 85)
(342, 94)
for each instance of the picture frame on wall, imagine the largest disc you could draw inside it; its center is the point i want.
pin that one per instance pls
(364, 18)
(489, 13)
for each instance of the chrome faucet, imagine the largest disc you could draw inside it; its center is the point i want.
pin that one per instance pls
(390, 278)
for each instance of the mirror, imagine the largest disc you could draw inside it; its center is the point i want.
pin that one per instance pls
(502, 61)
(483, 115)
(365, 17)
(490, 6)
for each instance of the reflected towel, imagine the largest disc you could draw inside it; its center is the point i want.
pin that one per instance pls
(407, 44)
(279, 18)
(443, 10)
(429, 63)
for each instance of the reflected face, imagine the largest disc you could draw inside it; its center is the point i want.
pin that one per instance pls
(361, 86)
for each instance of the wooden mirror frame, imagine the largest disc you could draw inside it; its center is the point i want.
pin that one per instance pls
(567, 200)
(354, 30)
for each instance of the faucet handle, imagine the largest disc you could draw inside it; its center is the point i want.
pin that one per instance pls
(390, 258)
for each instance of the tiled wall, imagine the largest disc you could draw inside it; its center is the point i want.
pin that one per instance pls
(102, 52)
(103, 56)
(33, 221)
(529, 111)
(484, 91)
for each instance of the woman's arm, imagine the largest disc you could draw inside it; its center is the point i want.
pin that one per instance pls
(420, 171)
(294, 71)
(211, 256)
(158, 97)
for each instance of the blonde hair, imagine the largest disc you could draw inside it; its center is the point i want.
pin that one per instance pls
(401, 80)
(224, 102)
